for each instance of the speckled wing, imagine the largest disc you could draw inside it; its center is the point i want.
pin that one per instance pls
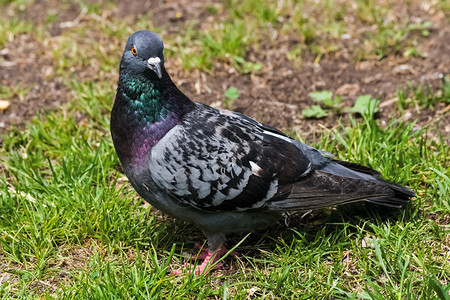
(219, 160)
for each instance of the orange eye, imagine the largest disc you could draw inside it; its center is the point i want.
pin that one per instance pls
(133, 50)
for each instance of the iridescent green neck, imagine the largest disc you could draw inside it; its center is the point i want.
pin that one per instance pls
(145, 98)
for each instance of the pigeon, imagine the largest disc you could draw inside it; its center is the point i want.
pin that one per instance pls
(221, 170)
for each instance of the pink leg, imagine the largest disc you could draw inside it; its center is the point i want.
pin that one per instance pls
(203, 252)
(209, 258)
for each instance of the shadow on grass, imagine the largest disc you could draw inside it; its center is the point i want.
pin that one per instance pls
(351, 217)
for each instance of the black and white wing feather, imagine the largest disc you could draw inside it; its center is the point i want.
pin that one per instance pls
(219, 160)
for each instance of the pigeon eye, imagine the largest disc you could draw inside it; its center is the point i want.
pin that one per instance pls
(133, 50)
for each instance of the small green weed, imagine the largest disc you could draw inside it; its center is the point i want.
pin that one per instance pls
(423, 97)
(389, 37)
(10, 28)
(364, 105)
(20, 90)
(89, 55)
(230, 96)
(226, 42)
(325, 97)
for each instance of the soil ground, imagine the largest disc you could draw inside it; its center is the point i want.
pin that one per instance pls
(275, 95)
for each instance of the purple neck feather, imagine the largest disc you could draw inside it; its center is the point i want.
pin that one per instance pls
(144, 111)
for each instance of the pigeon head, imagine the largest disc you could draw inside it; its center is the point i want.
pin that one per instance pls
(144, 53)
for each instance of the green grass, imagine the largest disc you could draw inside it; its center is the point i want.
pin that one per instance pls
(11, 28)
(71, 226)
(20, 90)
(315, 26)
(423, 96)
(62, 189)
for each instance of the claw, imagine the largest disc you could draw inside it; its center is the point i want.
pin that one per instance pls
(209, 257)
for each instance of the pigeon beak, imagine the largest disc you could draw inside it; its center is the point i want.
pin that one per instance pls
(154, 64)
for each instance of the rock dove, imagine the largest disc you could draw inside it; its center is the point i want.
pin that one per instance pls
(219, 169)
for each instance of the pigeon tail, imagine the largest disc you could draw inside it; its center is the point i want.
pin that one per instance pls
(321, 189)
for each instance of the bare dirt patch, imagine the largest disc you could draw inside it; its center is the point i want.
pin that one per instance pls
(275, 95)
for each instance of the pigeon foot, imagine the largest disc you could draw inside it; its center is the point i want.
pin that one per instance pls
(209, 257)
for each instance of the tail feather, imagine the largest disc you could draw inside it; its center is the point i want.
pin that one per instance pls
(401, 196)
(389, 202)
(401, 191)
(321, 189)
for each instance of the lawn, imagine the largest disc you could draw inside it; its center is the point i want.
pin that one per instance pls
(72, 227)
